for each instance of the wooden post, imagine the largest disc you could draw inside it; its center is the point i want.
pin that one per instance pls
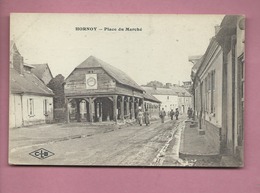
(127, 107)
(142, 104)
(67, 110)
(78, 110)
(100, 112)
(122, 113)
(115, 108)
(91, 100)
(133, 108)
(136, 106)
(95, 110)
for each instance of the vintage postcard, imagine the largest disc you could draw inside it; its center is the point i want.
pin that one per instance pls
(127, 90)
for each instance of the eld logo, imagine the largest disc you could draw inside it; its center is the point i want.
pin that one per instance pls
(41, 153)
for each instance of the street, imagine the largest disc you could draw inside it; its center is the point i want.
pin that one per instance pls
(99, 145)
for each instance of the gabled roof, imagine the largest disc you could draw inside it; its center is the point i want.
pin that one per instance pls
(117, 74)
(150, 97)
(27, 83)
(39, 70)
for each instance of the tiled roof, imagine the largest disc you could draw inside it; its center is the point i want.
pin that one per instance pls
(117, 74)
(27, 83)
(150, 97)
(167, 91)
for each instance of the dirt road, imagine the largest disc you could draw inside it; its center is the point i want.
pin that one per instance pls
(133, 145)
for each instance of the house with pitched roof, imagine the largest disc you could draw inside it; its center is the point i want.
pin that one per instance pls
(30, 101)
(105, 92)
(171, 97)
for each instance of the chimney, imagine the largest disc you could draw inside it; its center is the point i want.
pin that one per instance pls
(18, 63)
(217, 28)
(168, 85)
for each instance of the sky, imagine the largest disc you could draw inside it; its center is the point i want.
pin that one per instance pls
(159, 51)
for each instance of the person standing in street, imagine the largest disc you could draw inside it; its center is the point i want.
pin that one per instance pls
(162, 115)
(189, 113)
(177, 113)
(146, 117)
(171, 114)
(140, 116)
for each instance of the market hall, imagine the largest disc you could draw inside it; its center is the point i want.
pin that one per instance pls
(101, 92)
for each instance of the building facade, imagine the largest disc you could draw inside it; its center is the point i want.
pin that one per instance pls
(218, 85)
(30, 101)
(167, 96)
(171, 97)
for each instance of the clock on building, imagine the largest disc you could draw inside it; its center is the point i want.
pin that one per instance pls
(91, 81)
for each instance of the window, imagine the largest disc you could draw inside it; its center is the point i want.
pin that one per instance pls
(30, 107)
(45, 106)
(168, 97)
(212, 108)
(206, 93)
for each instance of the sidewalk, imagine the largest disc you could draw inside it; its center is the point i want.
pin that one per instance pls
(196, 146)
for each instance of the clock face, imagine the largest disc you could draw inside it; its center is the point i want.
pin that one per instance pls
(91, 81)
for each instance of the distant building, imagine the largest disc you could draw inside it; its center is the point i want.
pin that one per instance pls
(218, 84)
(172, 97)
(187, 84)
(167, 96)
(102, 92)
(31, 101)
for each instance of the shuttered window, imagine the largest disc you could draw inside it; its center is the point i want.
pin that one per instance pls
(30, 106)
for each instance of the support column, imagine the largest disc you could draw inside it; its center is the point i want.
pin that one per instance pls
(100, 112)
(67, 110)
(91, 106)
(96, 110)
(127, 107)
(78, 110)
(133, 108)
(122, 113)
(115, 108)
(136, 106)
(142, 104)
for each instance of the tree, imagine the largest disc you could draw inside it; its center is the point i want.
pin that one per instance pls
(155, 83)
(57, 86)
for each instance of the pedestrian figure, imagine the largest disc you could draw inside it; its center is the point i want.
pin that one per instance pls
(140, 116)
(146, 117)
(177, 113)
(162, 115)
(189, 113)
(171, 114)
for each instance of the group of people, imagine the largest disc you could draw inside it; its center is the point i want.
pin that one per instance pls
(145, 116)
(175, 113)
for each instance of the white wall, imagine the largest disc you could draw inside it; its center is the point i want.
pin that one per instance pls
(19, 110)
(215, 65)
(168, 101)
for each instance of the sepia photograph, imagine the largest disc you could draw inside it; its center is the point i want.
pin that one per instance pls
(139, 90)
